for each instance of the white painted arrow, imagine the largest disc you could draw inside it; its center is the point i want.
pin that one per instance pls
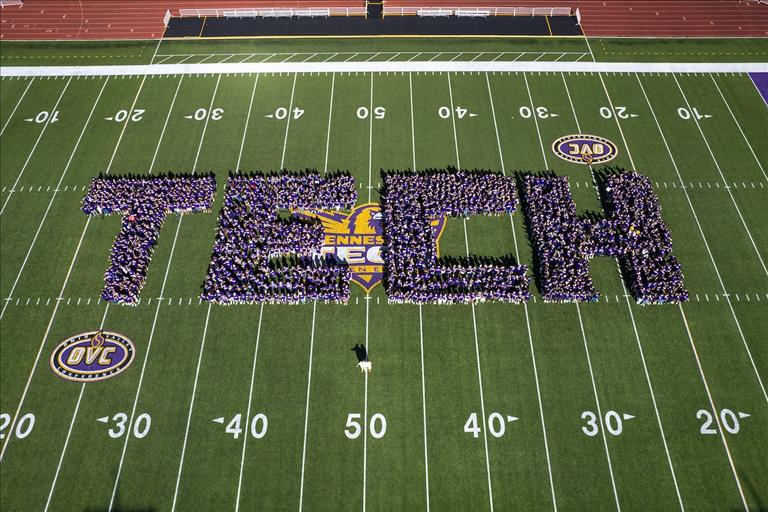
(107, 118)
(510, 419)
(270, 116)
(627, 416)
(219, 420)
(554, 115)
(743, 415)
(633, 115)
(29, 120)
(188, 117)
(103, 420)
(707, 116)
(473, 115)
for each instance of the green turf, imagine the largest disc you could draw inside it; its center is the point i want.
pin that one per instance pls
(545, 364)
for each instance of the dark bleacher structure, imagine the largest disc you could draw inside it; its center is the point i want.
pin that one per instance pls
(374, 20)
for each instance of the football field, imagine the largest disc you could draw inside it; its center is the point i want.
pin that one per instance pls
(590, 406)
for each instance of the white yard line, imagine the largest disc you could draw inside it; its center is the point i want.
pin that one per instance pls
(725, 182)
(247, 123)
(581, 324)
(704, 239)
(629, 308)
(599, 410)
(370, 142)
(421, 323)
(152, 330)
(34, 147)
(288, 122)
(365, 408)
(738, 125)
(314, 311)
(165, 125)
(474, 319)
(17, 106)
(715, 415)
(53, 197)
(63, 288)
(384, 66)
(306, 407)
(525, 307)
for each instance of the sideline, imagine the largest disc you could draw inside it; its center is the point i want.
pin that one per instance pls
(376, 67)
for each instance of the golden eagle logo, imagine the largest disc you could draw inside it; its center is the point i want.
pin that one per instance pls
(356, 238)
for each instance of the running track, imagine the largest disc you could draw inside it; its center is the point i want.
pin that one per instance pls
(142, 19)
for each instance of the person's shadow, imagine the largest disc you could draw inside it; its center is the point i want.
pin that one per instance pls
(360, 352)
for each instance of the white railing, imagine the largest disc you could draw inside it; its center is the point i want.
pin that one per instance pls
(272, 12)
(477, 11)
(9, 3)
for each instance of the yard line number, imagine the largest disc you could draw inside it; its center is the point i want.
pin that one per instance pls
(377, 425)
(686, 114)
(258, 427)
(43, 116)
(541, 112)
(202, 114)
(728, 418)
(378, 112)
(619, 111)
(23, 427)
(497, 424)
(136, 115)
(461, 112)
(140, 427)
(282, 113)
(614, 423)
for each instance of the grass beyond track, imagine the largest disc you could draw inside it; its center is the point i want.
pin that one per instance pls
(587, 407)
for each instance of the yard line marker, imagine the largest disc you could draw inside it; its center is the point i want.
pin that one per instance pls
(634, 325)
(306, 408)
(719, 170)
(288, 122)
(706, 244)
(17, 105)
(370, 144)
(63, 287)
(525, 307)
(191, 406)
(50, 203)
(715, 415)
(474, 319)
(165, 125)
(738, 125)
(34, 147)
(154, 324)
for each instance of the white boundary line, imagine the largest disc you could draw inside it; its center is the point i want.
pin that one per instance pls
(63, 287)
(247, 122)
(384, 66)
(165, 125)
(474, 318)
(738, 125)
(629, 306)
(32, 151)
(7, 121)
(50, 203)
(288, 123)
(525, 307)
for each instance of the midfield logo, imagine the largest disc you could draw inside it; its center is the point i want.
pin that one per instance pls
(585, 149)
(357, 238)
(92, 356)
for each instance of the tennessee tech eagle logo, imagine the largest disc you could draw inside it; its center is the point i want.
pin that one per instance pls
(92, 356)
(585, 149)
(357, 238)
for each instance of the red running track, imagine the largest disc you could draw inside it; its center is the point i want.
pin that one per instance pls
(142, 19)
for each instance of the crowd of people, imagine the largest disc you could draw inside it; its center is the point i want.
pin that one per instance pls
(260, 257)
(632, 230)
(561, 240)
(144, 202)
(412, 271)
(654, 274)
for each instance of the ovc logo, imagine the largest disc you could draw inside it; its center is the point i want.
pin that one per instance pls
(585, 149)
(92, 356)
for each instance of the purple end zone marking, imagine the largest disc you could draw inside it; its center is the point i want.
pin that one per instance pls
(761, 82)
